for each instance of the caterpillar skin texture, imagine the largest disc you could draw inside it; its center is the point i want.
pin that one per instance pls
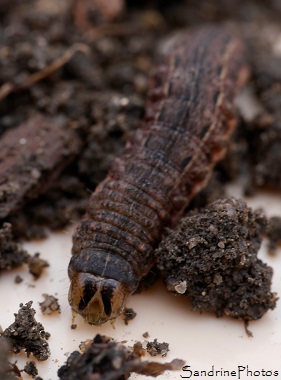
(189, 118)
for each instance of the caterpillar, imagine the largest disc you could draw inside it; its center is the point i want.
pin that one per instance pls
(189, 118)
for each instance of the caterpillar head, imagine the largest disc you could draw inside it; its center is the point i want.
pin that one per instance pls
(98, 299)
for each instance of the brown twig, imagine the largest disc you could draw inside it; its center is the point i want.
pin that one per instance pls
(7, 88)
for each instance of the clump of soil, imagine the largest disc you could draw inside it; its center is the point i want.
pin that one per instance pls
(31, 369)
(128, 315)
(36, 265)
(28, 334)
(211, 257)
(155, 348)
(105, 359)
(49, 305)
(12, 253)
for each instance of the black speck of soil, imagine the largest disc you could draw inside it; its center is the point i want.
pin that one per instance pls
(36, 265)
(105, 359)
(18, 279)
(211, 257)
(128, 315)
(145, 334)
(28, 334)
(155, 348)
(31, 369)
(49, 305)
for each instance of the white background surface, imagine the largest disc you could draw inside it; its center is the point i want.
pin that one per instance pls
(200, 340)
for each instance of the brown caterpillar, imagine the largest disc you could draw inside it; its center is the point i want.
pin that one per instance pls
(190, 116)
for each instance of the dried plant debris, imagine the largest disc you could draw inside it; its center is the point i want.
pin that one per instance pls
(50, 305)
(155, 348)
(211, 257)
(28, 334)
(128, 315)
(11, 252)
(105, 359)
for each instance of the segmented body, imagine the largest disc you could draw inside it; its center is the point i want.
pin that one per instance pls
(189, 118)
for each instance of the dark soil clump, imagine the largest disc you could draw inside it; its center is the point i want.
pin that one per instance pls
(105, 359)
(31, 369)
(28, 334)
(12, 254)
(155, 348)
(211, 257)
(129, 314)
(49, 305)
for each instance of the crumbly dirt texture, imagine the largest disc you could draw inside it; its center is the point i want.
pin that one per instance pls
(12, 253)
(211, 257)
(105, 359)
(31, 369)
(27, 334)
(92, 73)
(156, 348)
(49, 305)
(36, 265)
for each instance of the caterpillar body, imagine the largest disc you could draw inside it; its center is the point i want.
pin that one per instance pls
(189, 118)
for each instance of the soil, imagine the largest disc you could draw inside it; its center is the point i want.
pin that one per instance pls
(27, 334)
(211, 257)
(105, 359)
(128, 315)
(155, 348)
(13, 254)
(49, 305)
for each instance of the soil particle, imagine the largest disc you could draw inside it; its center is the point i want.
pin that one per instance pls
(145, 334)
(155, 348)
(105, 359)
(18, 279)
(128, 315)
(31, 369)
(49, 305)
(211, 257)
(36, 265)
(28, 334)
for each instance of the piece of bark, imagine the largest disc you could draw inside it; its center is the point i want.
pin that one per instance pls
(31, 157)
